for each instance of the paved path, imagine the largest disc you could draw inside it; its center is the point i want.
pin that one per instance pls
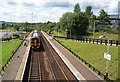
(13, 67)
(85, 72)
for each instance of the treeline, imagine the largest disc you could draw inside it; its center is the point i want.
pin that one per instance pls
(14, 26)
(78, 23)
(81, 23)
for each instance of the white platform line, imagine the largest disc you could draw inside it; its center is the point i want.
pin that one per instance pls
(66, 61)
(21, 70)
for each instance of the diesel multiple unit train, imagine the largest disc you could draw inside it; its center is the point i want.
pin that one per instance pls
(35, 40)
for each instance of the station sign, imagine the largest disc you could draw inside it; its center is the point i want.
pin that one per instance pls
(107, 56)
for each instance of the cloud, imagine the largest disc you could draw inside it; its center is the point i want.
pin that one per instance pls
(113, 7)
(28, 4)
(100, 5)
(49, 10)
(58, 4)
(94, 6)
(12, 3)
(119, 8)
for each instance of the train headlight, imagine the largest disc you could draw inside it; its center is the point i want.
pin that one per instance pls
(32, 46)
(37, 46)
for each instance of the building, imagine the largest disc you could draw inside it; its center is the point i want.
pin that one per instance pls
(115, 19)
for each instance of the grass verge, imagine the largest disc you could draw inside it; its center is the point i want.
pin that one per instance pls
(94, 54)
(7, 48)
(96, 35)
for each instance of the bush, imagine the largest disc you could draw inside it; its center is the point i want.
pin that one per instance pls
(15, 36)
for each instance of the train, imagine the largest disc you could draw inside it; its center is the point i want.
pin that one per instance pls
(35, 40)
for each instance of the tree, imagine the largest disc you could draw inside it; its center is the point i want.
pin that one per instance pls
(88, 11)
(17, 27)
(77, 8)
(103, 17)
(89, 14)
(80, 24)
(77, 23)
(104, 21)
(3, 25)
(27, 27)
(65, 21)
(51, 26)
(92, 19)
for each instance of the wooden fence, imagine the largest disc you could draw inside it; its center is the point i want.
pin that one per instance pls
(94, 41)
(86, 63)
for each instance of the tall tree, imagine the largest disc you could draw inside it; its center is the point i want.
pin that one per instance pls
(88, 11)
(92, 19)
(77, 23)
(104, 21)
(77, 8)
(103, 17)
(89, 15)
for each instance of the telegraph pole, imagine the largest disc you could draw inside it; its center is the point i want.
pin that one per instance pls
(32, 16)
(93, 29)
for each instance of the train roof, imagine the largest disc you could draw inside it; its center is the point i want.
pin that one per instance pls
(35, 35)
(35, 31)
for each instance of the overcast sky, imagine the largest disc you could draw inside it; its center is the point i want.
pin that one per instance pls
(49, 10)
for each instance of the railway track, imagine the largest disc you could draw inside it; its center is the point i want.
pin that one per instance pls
(46, 65)
(39, 67)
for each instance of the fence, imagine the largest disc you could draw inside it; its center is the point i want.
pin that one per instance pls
(6, 64)
(94, 41)
(86, 63)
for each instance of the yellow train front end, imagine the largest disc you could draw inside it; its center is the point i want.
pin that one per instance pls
(35, 43)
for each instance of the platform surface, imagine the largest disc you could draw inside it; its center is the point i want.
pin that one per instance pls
(82, 69)
(12, 69)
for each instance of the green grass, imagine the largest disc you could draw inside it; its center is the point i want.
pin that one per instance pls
(7, 48)
(96, 35)
(94, 54)
(59, 33)
(107, 35)
(7, 30)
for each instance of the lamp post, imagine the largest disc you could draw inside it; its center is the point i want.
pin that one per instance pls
(107, 59)
(93, 29)
(66, 32)
(107, 56)
(70, 34)
(58, 31)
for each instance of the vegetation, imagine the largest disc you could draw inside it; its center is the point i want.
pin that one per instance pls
(7, 48)
(13, 26)
(106, 34)
(76, 22)
(94, 54)
(96, 34)
(77, 8)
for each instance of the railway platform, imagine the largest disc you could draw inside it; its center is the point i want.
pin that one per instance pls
(17, 63)
(80, 71)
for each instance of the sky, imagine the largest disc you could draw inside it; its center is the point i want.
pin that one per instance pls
(49, 10)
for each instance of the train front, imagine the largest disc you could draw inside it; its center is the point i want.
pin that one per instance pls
(35, 41)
